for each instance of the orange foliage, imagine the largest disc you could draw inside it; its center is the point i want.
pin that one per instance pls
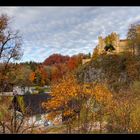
(62, 93)
(68, 90)
(32, 77)
(102, 94)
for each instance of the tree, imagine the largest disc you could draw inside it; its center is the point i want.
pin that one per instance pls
(133, 37)
(89, 55)
(55, 59)
(40, 76)
(20, 76)
(63, 92)
(74, 62)
(121, 113)
(32, 77)
(110, 39)
(10, 47)
(97, 99)
(76, 103)
(12, 121)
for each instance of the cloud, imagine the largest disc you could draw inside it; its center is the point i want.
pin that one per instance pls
(67, 30)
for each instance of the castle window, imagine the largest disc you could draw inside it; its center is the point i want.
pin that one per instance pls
(109, 48)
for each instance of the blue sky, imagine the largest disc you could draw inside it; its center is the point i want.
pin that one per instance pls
(67, 30)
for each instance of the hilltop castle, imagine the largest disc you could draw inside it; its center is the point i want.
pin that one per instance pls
(119, 46)
(112, 44)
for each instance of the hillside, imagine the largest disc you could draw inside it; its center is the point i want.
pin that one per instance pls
(117, 71)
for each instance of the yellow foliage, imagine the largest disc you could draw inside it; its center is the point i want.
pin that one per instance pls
(102, 94)
(68, 112)
(68, 90)
(63, 92)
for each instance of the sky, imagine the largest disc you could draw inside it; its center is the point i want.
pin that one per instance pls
(67, 30)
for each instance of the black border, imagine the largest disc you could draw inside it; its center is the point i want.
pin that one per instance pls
(70, 3)
(69, 136)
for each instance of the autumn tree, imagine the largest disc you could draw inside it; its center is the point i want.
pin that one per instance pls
(63, 92)
(32, 77)
(20, 76)
(95, 101)
(39, 77)
(10, 47)
(55, 59)
(48, 71)
(74, 62)
(121, 113)
(110, 41)
(33, 65)
(76, 103)
(111, 38)
(13, 121)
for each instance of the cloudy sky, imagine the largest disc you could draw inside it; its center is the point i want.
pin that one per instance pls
(67, 30)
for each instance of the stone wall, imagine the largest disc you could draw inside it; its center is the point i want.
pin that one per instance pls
(119, 45)
(85, 61)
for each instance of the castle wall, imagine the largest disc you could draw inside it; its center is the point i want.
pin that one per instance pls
(119, 45)
(85, 61)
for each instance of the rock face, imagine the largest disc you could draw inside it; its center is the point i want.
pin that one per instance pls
(104, 70)
(92, 74)
(89, 74)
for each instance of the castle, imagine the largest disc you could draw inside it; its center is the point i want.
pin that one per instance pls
(119, 46)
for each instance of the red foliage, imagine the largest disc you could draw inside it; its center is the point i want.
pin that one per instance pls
(60, 64)
(56, 59)
(73, 62)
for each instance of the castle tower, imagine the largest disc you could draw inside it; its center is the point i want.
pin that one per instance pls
(101, 44)
(117, 43)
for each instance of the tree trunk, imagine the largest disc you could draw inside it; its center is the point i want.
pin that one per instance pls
(69, 128)
(78, 122)
(3, 127)
(14, 115)
(100, 122)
